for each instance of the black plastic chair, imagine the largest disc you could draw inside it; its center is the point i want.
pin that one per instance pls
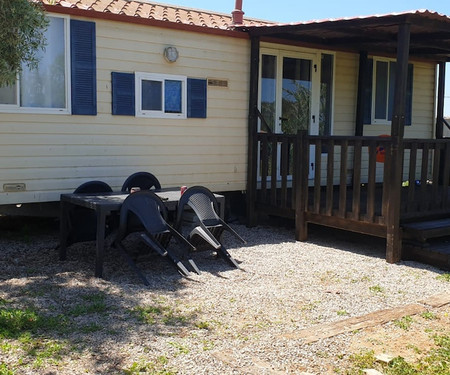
(93, 187)
(143, 180)
(83, 221)
(210, 226)
(149, 210)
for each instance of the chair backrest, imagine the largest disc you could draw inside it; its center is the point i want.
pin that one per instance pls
(83, 221)
(143, 180)
(148, 208)
(202, 201)
(93, 187)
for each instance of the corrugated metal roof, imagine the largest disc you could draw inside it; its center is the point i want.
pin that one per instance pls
(425, 12)
(429, 33)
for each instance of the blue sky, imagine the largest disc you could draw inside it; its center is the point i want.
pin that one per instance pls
(298, 10)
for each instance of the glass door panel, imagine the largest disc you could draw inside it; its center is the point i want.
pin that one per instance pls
(268, 92)
(296, 95)
(287, 102)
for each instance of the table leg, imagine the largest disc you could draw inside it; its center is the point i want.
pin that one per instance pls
(63, 229)
(101, 223)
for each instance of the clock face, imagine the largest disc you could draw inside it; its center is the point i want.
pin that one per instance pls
(171, 54)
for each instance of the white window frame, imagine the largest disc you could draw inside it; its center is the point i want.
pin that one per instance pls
(140, 76)
(17, 108)
(333, 97)
(376, 121)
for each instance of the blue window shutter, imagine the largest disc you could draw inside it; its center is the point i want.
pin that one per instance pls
(368, 93)
(83, 66)
(196, 98)
(122, 89)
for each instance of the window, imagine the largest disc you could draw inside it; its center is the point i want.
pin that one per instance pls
(379, 95)
(157, 95)
(65, 79)
(45, 88)
(160, 95)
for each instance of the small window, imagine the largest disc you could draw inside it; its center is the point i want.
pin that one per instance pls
(382, 90)
(44, 89)
(162, 96)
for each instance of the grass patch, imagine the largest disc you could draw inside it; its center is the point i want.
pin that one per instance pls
(180, 348)
(435, 362)
(27, 327)
(404, 323)
(92, 304)
(91, 328)
(429, 315)
(157, 367)
(14, 322)
(5, 370)
(376, 289)
(160, 313)
(203, 325)
(444, 277)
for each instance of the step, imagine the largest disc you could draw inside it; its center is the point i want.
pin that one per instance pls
(423, 230)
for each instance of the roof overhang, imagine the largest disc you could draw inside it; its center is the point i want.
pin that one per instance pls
(429, 34)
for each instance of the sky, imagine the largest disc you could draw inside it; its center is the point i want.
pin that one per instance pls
(301, 10)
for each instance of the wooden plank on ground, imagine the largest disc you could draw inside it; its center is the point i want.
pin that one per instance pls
(327, 330)
(438, 300)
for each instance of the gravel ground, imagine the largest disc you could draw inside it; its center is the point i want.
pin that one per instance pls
(224, 321)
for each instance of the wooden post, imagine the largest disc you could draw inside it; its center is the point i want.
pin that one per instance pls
(362, 83)
(252, 157)
(393, 235)
(301, 184)
(440, 102)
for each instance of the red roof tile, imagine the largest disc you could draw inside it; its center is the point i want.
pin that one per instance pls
(155, 11)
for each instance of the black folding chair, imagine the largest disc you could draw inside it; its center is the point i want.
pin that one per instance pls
(82, 220)
(147, 208)
(211, 227)
(143, 180)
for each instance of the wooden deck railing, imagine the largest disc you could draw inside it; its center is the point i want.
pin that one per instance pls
(346, 184)
(427, 171)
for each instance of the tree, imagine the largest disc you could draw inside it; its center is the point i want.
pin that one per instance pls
(22, 27)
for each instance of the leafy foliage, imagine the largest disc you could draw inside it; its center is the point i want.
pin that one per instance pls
(22, 27)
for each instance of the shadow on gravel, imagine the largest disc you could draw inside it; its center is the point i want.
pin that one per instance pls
(71, 308)
(356, 243)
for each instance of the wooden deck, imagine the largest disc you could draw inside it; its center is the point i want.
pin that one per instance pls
(350, 189)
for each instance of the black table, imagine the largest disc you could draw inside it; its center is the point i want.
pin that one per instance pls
(105, 204)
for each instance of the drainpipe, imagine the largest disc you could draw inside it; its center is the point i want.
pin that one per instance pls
(237, 13)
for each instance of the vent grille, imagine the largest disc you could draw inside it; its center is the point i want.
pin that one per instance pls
(217, 82)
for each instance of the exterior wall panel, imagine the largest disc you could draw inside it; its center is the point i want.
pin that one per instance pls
(53, 154)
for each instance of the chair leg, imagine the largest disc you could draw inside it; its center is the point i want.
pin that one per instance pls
(226, 255)
(178, 264)
(193, 265)
(132, 264)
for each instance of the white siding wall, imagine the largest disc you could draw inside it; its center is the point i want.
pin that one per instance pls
(53, 154)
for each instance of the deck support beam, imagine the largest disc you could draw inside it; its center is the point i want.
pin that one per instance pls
(362, 83)
(393, 235)
(301, 185)
(252, 156)
(440, 102)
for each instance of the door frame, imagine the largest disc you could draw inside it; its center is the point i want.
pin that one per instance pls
(313, 129)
